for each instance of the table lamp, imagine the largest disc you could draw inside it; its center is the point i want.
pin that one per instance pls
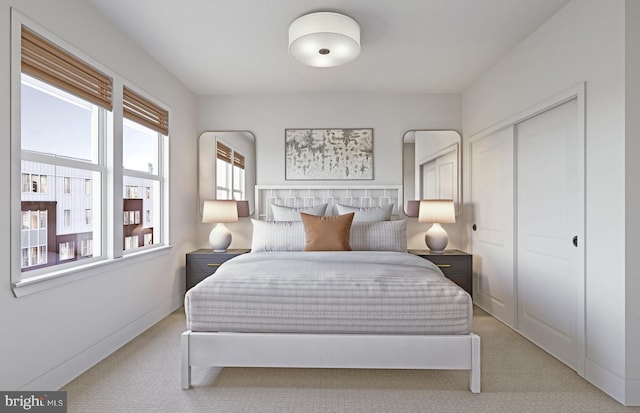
(437, 211)
(220, 212)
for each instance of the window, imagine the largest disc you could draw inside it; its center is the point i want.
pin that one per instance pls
(86, 247)
(63, 130)
(67, 250)
(64, 108)
(67, 185)
(34, 183)
(229, 173)
(144, 128)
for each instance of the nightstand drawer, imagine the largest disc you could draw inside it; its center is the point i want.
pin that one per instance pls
(206, 264)
(202, 263)
(450, 264)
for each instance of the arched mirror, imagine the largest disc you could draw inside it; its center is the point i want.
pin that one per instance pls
(432, 166)
(227, 166)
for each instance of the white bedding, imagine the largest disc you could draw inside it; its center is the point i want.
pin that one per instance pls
(355, 292)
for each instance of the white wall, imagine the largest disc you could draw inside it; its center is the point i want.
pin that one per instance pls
(390, 116)
(51, 336)
(585, 41)
(632, 180)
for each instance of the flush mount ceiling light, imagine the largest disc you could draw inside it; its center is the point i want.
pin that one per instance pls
(324, 39)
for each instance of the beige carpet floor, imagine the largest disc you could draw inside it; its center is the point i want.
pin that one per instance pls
(144, 376)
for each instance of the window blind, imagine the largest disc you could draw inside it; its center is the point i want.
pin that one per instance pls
(223, 152)
(145, 112)
(238, 160)
(52, 64)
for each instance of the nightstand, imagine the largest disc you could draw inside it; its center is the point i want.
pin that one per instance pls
(203, 263)
(456, 266)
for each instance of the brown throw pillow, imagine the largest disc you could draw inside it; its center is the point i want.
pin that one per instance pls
(327, 233)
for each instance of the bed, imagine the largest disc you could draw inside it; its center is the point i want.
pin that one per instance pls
(374, 307)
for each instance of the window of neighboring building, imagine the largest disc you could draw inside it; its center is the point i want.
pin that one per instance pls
(67, 250)
(87, 187)
(229, 173)
(34, 183)
(87, 217)
(67, 185)
(86, 247)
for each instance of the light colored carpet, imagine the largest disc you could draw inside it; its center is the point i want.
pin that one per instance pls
(144, 376)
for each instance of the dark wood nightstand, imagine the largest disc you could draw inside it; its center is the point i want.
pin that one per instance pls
(203, 263)
(456, 266)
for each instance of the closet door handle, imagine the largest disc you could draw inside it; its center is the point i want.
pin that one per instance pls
(474, 227)
(575, 241)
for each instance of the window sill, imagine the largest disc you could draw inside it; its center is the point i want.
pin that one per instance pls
(55, 279)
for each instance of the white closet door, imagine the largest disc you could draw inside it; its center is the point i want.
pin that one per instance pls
(447, 175)
(549, 210)
(429, 181)
(491, 197)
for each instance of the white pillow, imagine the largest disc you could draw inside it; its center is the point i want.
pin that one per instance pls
(379, 236)
(368, 214)
(283, 213)
(269, 236)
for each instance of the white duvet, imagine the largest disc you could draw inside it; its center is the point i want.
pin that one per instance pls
(354, 292)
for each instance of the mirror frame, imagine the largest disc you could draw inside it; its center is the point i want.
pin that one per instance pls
(409, 188)
(207, 159)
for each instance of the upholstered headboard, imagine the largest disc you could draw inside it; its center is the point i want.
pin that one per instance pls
(309, 195)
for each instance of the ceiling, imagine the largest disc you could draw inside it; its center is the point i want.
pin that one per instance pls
(231, 47)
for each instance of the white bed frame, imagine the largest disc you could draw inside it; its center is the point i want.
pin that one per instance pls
(361, 351)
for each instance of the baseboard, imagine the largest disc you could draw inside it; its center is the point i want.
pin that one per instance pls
(62, 374)
(605, 380)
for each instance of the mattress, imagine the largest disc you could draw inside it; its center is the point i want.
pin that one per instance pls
(350, 292)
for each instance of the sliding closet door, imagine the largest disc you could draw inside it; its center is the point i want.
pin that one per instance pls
(549, 213)
(491, 197)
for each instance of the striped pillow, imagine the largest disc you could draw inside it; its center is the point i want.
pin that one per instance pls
(269, 236)
(367, 214)
(379, 236)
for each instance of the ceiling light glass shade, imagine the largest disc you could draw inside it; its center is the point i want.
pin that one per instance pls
(324, 39)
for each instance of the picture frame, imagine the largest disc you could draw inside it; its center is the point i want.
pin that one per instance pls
(329, 154)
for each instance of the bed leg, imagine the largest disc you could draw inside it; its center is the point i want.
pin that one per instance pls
(474, 374)
(186, 367)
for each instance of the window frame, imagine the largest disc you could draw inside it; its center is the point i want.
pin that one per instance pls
(109, 165)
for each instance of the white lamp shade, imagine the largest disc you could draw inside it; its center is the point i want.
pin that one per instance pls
(324, 39)
(439, 211)
(220, 211)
